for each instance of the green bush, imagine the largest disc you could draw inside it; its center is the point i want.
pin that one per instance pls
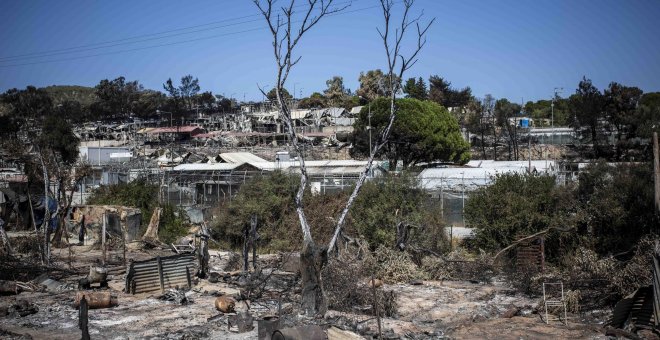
(380, 205)
(172, 224)
(385, 202)
(143, 195)
(610, 210)
(269, 197)
(517, 205)
(139, 194)
(618, 203)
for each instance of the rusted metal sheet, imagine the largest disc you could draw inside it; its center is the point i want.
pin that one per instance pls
(160, 273)
(531, 255)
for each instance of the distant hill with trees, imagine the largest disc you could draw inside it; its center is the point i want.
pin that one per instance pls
(63, 93)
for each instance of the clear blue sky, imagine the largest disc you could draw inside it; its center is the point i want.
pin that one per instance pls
(513, 49)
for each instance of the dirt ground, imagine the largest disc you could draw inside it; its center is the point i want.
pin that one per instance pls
(432, 310)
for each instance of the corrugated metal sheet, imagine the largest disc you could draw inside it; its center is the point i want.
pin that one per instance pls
(635, 309)
(241, 157)
(160, 273)
(206, 167)
(642, 308)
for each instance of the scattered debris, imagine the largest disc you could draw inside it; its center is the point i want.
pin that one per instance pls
(312, 332)
(266, 327)
(9, 288)
(335, 333)
(177, 296)
(53, 286)
(511, 312)
(244, 321)
(96, 275)
(21, 308)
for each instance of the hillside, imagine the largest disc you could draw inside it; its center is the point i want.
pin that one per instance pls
(61, 93)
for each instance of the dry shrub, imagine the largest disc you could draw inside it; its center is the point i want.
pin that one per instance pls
(572, 298)
(234, 262)
(637, 271)
(459, 265)
(600, 281)
(28, 245)
(344, 285)
(393, 266)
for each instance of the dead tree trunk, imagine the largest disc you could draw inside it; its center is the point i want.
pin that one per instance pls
(249, 243)
(285, 39)
(253, 240)
(312, 261)
(45, 225)
(203, 251)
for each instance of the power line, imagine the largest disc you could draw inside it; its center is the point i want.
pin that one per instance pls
(131, 49)
(123, 41)
(164, 44)
(79, 49)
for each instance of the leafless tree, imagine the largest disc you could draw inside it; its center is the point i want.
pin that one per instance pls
(287, 32)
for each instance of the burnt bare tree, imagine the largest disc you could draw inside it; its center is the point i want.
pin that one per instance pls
(287, 32)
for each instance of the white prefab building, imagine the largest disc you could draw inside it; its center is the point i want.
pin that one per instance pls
(102, 155)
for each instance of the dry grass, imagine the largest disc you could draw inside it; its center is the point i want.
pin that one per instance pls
(393, 266)
(344, 282)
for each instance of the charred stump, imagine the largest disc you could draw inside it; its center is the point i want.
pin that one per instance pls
(312, 261)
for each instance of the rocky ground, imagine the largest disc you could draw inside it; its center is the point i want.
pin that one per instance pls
(428, 309)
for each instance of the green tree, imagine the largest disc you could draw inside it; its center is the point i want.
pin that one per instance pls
(70, 110)
(117, 97)
(648, 112)
(504, 112)
(270, 198)
(315, 101)
(272, 96)
(422, 132)
(373, 84)
(441, 92)
(148, 102)
(182, 96)
(57, 136)
(621, 103)
(416, 89)
(188, 90)
(335, 92)
(29, 103)
(207, 101)
(587, 109)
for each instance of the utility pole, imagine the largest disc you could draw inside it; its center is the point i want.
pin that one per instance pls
(370, 152)
(656, 171)
(552, 109)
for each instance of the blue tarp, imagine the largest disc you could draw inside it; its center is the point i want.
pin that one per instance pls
(39, 211)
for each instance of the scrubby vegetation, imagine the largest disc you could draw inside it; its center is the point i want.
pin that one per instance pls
(605, 227)
(381, 205)
(608, 211)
